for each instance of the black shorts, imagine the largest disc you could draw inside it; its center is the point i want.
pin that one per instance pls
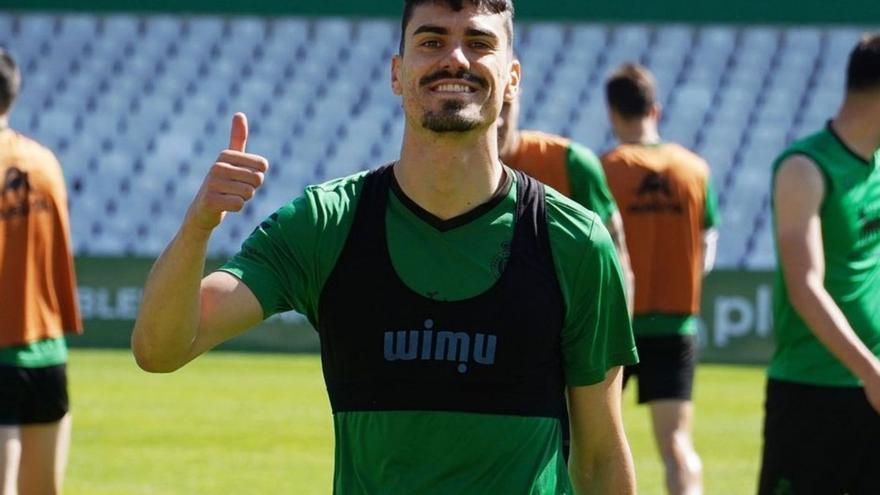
(32, 395)
(665, 369)
(819, 440)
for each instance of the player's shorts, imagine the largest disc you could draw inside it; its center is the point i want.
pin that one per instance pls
(665, 368)
(819, 440)
(32, 395)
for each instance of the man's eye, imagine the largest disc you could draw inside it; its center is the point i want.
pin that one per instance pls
(480, 45)
(431, 43)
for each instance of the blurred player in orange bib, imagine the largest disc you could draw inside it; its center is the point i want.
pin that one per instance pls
(669, 214)
(37, 306)
(570, 168)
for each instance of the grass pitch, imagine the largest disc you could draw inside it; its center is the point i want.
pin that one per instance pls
(259, 423)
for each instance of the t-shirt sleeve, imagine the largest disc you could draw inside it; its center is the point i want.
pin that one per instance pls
(275, 261)
(597, 334)
(289, 256)
(589, 187)
(711, 218)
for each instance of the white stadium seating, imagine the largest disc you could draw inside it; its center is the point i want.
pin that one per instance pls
(136, 107)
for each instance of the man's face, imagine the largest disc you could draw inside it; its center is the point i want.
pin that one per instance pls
(456, 69)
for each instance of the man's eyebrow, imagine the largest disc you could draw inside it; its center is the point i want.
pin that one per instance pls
(481, 33)
(428, 28)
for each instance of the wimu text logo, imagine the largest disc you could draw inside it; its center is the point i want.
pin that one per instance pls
(429, 344)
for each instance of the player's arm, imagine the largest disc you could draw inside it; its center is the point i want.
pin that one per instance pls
(798, 192)
(615, 229)
(181, 314)
(710, 249)
(596, 341)
(601, 462)
(710, 228)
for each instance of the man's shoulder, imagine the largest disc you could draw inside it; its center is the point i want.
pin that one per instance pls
(38, 154)
(323, 205)
(33, 160)
(687, 159)
(664, 156)
(568, 220)
(539, 139)
(812, 147)
(338, 192)
(349, 185)
(821, 138)
(615, 154)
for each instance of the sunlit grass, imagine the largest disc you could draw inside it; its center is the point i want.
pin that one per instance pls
(260, 423)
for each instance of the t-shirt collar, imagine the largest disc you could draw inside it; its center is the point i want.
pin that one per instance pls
(444, 225)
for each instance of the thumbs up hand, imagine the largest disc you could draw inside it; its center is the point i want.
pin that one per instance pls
(231, 182)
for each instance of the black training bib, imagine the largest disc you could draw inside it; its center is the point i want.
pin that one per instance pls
(385, 347)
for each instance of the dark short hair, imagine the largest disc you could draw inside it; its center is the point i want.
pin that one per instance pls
(631, 91)
(863, 72)
(493, 6)
(10, 81)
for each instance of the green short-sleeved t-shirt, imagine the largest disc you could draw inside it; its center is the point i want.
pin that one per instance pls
(286, 261)
(850, 219)
(589, 187)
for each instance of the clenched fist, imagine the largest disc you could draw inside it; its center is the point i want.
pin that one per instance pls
(231, 182)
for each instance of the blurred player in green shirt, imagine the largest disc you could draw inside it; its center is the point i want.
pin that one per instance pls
(822, 423)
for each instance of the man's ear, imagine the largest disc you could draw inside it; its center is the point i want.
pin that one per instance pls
(656, 112)
(614, 118)
(396, 86)
(515, 76)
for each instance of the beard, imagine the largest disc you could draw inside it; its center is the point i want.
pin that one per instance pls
(450, 118)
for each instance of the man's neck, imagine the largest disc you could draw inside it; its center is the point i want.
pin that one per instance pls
(511, 146)
(639, 132)
(449, 174)
(4, 122)
(858, 127)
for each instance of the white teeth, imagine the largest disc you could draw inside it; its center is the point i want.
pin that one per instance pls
(453, 88)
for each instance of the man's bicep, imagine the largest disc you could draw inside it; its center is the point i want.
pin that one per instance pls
(614, 224)
(798, 191)
(603, 398)
(227, 308)
(594, 412)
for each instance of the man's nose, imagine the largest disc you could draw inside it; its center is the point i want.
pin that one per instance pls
(456, 59)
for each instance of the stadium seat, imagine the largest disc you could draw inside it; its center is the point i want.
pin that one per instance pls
(152, 96)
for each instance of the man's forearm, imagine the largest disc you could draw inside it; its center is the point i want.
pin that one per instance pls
(170, 316)
(610, 473)
(169, 313)
(829, 324)
(601, 461)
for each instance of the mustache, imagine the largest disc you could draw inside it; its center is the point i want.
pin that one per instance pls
(445, 74)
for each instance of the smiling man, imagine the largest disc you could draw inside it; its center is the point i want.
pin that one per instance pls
(456, 300)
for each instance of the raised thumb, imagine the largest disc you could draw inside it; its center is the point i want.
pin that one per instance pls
(239, 133)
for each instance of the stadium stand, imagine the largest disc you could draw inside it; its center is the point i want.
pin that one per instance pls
(131, 105)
